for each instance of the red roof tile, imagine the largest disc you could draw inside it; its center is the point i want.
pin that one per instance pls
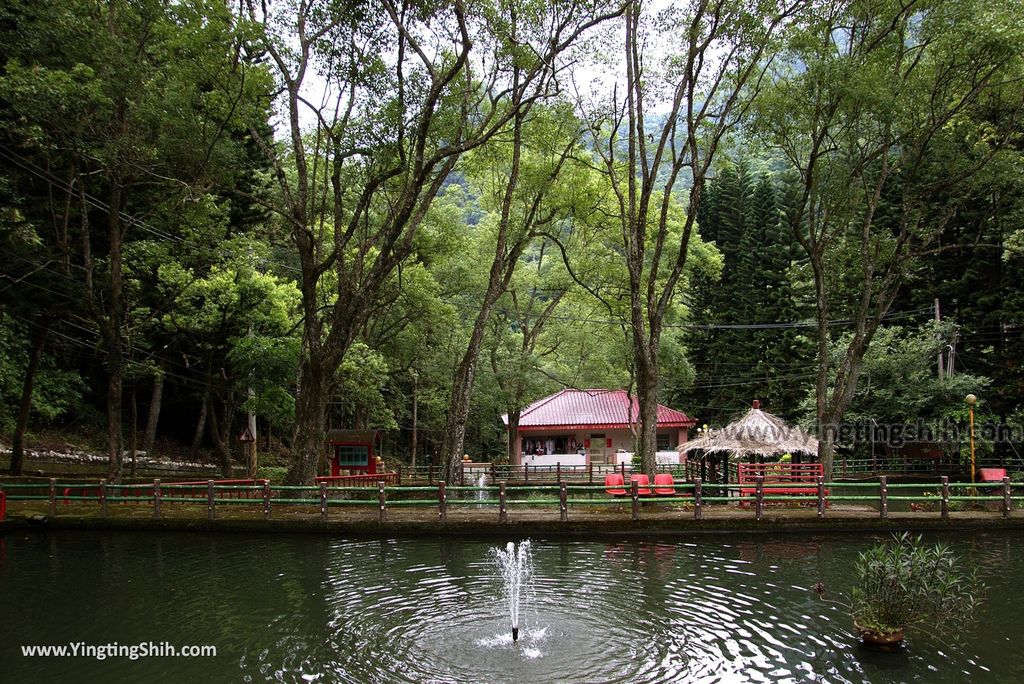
(592, 408)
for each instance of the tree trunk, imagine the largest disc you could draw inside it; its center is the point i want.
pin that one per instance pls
(133, 439)
(826, 430)
(462, 386)
(115, 437)
(310, 423)
(454, 440)
(197, 436)
(415, 409)
(112, 325)
(39, 336)
(647, 398)
(221, 436)
(149, 436)
(513, 435)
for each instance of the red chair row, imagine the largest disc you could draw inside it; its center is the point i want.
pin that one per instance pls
(664, 485)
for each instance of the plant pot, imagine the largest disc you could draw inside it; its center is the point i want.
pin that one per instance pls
(879, 637)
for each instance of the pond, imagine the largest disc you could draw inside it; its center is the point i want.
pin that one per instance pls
(310, 608)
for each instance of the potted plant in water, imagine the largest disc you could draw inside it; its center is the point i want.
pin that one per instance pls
(906, 583)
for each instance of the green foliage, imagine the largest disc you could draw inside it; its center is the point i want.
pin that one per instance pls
(276, 474)
(58, 391)
(906, 583)
(170, 103)
(361, 378)
(757, 284)
(900, 386)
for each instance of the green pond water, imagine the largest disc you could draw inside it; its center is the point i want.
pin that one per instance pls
(318, 609)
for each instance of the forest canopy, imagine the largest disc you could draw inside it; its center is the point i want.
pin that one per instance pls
(420, 217)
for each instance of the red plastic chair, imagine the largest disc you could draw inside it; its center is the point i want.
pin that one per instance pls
(668, 486)
(643, 483)
(613, 484)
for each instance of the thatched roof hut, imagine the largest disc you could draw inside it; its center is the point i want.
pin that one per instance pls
(758, 433)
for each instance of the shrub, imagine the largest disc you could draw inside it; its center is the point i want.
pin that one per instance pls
(275, 474)
(905, 583)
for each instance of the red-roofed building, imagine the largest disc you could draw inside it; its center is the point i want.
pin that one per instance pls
(575, 427)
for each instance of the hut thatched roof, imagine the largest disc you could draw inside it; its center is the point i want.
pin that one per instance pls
(758, 433)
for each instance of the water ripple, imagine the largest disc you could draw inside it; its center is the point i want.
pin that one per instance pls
(322, 610)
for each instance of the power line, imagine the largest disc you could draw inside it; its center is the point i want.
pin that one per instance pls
(97, 203)
(93, 353)
(899, 315)
(131, 220)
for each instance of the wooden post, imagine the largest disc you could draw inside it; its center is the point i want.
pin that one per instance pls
(558, 472)
(382, 501)
(563, 503)
(462, 473)
(430, 473)
(1007, 501)
(103, 498)
(526, 474)
(266, 499)
(494, 472)
(323, 502)
(211, 512)
(821, 497)
(697, 513)
(623, 464)
(759, 494)
(590, 471)
(442, 502)
(502, 513)
(883, 497)
(399, 471)
(156, 498)
(944, 498)
(725, 474)
(636, 500)
(53, 496)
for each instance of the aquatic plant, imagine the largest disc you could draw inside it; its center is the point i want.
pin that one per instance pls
(905, 583)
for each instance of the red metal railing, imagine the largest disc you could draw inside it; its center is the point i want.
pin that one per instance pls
(787, 478)
(358, 480)
(3, 505)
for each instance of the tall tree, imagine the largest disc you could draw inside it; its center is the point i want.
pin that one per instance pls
(519, 182)
(870, 97)
(710, 81)
(125, 119)
(409, 89)
(516, 349)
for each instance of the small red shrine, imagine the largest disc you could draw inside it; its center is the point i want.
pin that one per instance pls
(352, 450)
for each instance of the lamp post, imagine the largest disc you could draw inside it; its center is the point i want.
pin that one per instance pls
(971, 400)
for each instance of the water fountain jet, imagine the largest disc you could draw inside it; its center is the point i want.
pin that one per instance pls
(516, 566)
